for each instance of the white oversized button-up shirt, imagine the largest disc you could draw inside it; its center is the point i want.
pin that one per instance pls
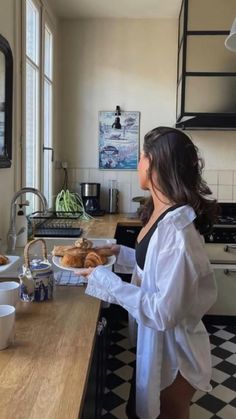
(166, 301)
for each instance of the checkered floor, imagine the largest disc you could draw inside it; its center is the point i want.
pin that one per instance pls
(220, 403)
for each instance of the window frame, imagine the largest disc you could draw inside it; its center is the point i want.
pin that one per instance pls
(46, 19)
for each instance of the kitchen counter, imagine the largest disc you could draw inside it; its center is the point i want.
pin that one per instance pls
(105, 226)
(44, 373)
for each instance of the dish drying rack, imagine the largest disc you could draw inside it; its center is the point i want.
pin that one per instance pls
(54, 224)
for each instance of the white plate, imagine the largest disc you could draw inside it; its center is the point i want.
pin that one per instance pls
(12, 259)
(57, 261)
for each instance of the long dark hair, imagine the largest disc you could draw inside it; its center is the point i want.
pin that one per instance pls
(175, 159)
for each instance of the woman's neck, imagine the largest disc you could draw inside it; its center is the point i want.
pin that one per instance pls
(161, 203)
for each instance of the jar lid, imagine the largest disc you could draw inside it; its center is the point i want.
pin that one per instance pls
(39, 265)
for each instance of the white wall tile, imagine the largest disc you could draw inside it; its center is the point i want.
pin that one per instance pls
(109, 175)
(134, 176)
(96, 175)
(214, 190)
(82, 175)
(225, 177)
(234, 178)
(234, 193)
(211, 177)
(225, 193)
(124, 176)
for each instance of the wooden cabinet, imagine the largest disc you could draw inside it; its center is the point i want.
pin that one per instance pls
(226, 288)
(127, 235)
(93, 402)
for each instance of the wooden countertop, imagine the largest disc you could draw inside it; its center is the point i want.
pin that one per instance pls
(105, 226)
(44, 373)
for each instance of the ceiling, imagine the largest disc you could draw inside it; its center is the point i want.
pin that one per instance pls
(132, 9)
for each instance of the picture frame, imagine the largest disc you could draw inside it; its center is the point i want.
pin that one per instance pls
(119, 140)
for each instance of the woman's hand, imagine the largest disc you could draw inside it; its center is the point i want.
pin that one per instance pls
(84, 272)
(108, 249)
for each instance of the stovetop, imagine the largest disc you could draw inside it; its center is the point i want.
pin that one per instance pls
(224, 230)
(226, 220)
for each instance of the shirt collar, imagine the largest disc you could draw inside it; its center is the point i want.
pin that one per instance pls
(180, 217)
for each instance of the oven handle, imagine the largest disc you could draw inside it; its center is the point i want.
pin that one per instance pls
(229, 246)
(229, 271)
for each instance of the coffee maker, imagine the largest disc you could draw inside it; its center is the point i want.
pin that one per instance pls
(90, 194)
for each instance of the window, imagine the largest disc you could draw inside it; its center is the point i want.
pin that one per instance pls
(38, 86)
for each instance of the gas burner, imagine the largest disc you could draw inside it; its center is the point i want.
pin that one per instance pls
(227, 220)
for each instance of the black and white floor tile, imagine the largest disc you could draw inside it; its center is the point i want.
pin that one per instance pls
(219, 403)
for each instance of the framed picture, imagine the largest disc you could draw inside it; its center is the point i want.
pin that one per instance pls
(119, 140)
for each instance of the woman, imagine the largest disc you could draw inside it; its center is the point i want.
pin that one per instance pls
(172, 285)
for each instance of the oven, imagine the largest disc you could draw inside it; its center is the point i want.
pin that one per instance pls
(221, 249)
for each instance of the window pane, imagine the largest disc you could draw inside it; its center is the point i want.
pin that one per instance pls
(32, 32)
(48, 53)
(32, 127)
(47, 141)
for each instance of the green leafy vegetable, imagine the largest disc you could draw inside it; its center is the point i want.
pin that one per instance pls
(67, 201)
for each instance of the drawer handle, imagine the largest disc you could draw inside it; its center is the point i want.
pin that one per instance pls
(229, 271)
(229, 246)
(130, 231)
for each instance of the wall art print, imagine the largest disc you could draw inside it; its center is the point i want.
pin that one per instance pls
(119, 140)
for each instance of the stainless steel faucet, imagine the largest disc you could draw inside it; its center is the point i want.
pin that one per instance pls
(12, 235)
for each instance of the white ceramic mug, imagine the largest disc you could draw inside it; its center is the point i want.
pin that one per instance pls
(7, 320)
(9, 292)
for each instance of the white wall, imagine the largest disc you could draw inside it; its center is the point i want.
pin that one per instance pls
(103, 63)
(131, 63)
(109, 62)
(7, 25)
(218, 149)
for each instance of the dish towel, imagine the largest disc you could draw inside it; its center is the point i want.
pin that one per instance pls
(69, 278)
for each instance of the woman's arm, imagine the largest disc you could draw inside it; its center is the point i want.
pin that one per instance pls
(178, 294)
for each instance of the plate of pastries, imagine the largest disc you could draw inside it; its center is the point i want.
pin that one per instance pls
(82, 255)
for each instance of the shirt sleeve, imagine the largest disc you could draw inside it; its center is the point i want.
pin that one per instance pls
(125, 261)
(176, 284)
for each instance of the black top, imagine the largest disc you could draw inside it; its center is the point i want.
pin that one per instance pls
(141, 247)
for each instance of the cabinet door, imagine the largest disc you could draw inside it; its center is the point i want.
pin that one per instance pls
(226, 286)
(221, 253)
(127, 235)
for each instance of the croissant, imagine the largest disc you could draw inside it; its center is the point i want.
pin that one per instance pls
(4, 260)
(78, 251)
(93, 259)
(103, 251)
(61, 250)
(72, 261)
(83, 243)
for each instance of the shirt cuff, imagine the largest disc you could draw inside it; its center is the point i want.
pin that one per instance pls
(98, 284)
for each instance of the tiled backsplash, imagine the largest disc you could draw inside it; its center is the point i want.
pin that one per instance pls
(221, 182)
